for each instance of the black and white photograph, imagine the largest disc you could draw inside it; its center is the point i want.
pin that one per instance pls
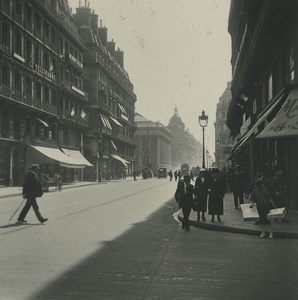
(148, 149)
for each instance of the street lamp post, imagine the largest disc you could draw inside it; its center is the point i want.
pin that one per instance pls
(203, 121)
(207, 155)
(218, 149)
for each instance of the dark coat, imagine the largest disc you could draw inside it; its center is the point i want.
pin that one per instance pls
(32, 186)
(216, 194)
(182, 198)
(238, 182)
(201, 194)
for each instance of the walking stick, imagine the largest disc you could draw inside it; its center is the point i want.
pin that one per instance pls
(17, 210)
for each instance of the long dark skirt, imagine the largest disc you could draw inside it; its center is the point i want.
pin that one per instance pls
(201, 204)
(215, 205)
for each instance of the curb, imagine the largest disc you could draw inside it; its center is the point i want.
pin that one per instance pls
(237, 230)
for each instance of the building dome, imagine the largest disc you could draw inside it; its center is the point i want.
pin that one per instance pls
(176, 120)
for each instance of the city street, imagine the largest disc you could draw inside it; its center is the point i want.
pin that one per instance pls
(120, 240)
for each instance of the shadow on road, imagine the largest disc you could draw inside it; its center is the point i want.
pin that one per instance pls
(124, 268)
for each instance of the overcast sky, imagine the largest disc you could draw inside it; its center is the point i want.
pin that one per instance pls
(176, 52)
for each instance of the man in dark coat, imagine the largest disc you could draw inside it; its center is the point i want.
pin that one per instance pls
(216, 195)
(237, 185)
(31, 190)
(201, 193)
(184, 197)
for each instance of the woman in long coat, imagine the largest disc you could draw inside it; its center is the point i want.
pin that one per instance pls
(216, 195)
(201, 193)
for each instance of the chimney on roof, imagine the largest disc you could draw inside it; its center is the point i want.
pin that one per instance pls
(111, 47)
(103, 34)
(83, 15)
(94, 22)
(119, 56)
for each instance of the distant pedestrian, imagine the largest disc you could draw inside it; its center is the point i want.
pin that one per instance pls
(216, 195)
(184, 197)
(237, 185)
(263, 199)
(171, 175)
(31, 190)
(202, 185)
(124, 174)
(134, 175)
(176, 175)
(179, 174)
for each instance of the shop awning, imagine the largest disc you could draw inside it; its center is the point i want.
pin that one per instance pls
(43, 155)
(77, 156)
(122, 160)
(122, 109)
(45, 124)
(113, 145)
(116, 121)
(261, 119)
(105, 121)
(285, 123)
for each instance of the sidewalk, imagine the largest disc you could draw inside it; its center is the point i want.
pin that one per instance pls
(232, 221)
(15, 191)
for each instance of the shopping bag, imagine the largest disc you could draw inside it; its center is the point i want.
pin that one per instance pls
(250, 212)
(277, 213)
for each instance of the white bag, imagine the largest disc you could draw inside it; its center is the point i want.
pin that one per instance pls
(250, 212)
(277, 213)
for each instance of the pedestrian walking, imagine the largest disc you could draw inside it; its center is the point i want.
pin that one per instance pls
(264, 202)
(237, 186)
(124, 174)
(171, 175)
(176, 175)
(279, 191)
(202, 185)
(184, 197)
(134, 174)
(259, 177)
(216, 195)
(31, 190)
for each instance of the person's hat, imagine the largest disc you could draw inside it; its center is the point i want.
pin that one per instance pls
(34, 166)
(203, 170)
(215, 171)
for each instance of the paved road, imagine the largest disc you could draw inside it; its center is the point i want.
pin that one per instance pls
(120, 241)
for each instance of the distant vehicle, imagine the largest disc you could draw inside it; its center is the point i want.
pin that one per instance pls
(162, 172)
(184, 169)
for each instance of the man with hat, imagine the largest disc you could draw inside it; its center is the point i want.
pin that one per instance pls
(201, 193)
(184, 197)
(31, 190)
(238, 185)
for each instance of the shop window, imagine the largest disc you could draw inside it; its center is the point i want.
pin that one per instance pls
(38, 91)
(5, 32)
(46, 64)
(37, 55)
(28, 86)
(46, 95)
(18, 81)
(18, 46)
(6, 75)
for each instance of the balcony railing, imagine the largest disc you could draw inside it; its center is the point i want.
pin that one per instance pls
(74, 119)
(74, 61)
(27, 99)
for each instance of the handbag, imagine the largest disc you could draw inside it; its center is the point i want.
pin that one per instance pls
(250, 212)
(277, 213)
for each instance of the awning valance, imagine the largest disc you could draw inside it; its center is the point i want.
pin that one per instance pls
(54, 155)
(285, 123)
(122, 160)
(116, 121)
(77, 156)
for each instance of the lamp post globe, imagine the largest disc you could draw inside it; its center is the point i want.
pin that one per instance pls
(203, 121)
